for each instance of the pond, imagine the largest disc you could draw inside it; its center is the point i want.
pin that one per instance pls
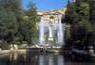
(38, 59)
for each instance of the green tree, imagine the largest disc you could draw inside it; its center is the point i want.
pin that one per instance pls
(15, 24)
(77, 15)
(92, 13)
(10, 12)
(32, 22)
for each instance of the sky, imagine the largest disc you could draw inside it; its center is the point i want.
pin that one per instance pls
(44, 5)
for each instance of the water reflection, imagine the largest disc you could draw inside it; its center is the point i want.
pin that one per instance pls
(60, 60)
(38, 59)
(51, 61)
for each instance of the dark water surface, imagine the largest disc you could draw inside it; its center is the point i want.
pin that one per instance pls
(39, 59)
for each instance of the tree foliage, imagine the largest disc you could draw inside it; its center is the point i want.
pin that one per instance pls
(78, 16)
(8, 21)
(15, 24)
(32, 20)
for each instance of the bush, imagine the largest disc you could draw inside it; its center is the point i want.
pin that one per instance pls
(4, 46)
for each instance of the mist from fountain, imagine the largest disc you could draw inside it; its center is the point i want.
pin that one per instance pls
(41, 32)
(59, 27)
(60, 31)
(50, 34)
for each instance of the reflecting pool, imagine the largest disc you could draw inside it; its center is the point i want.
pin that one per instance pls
(30, 58)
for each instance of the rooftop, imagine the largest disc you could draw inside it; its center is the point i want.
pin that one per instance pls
(53, 12)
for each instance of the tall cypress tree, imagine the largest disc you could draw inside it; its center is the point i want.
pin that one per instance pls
(32, 20)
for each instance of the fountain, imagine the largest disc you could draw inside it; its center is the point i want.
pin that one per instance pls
(50, 34)
(41, 32)
(53, 25)
(60, 31)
